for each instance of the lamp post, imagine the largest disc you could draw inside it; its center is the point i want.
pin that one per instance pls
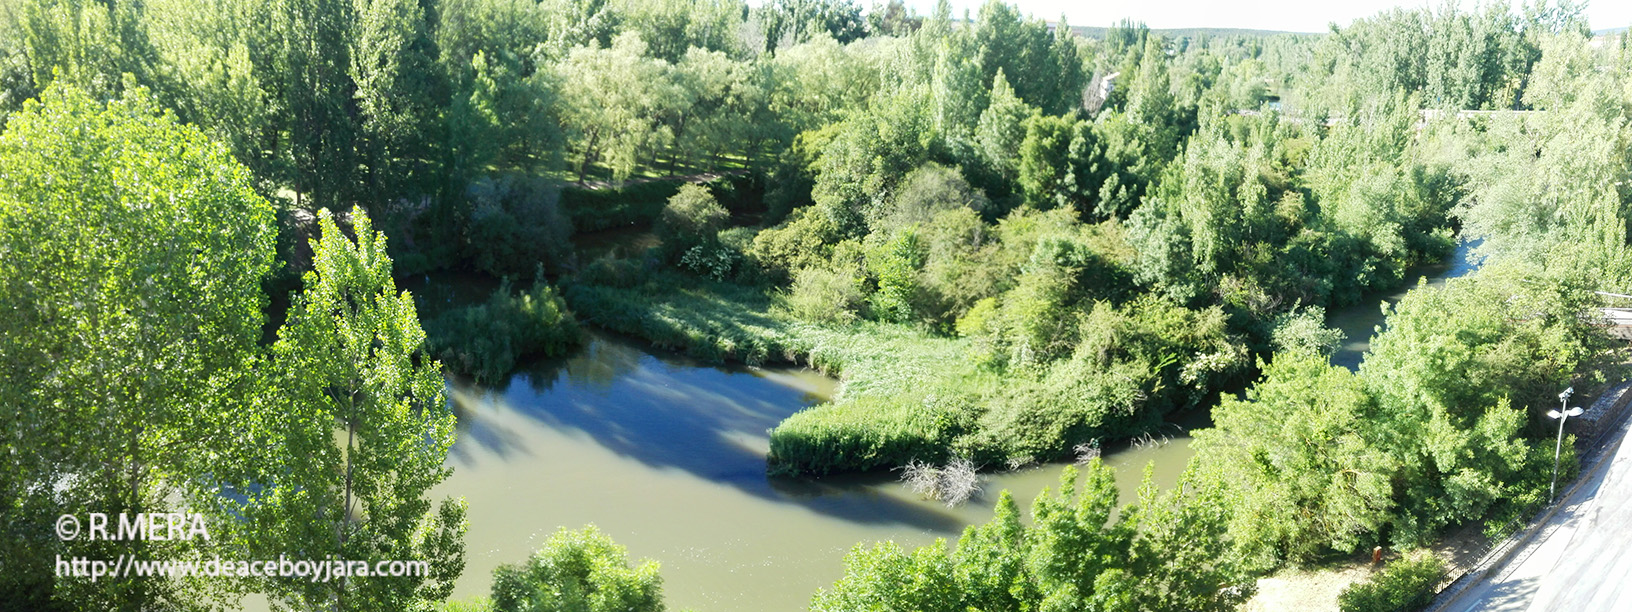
(1562, 414)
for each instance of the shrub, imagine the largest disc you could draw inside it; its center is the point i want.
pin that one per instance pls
(516, 224)
(953, 483)
(691, 218)
(1403, 586)
(803, 241)
(712, 261)
(869, 432)
(894, 265)
(927, 191)
(823, 295)
(486, 340)
(1076, 401)
(962, 264)
(1304, 329)
(581, 570)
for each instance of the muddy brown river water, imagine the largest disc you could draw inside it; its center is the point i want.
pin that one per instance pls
(666, 455)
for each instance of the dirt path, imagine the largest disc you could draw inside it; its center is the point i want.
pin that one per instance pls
(1316, 590)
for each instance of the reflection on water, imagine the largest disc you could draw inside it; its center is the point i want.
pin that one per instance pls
(668, 457)
(1361, 321)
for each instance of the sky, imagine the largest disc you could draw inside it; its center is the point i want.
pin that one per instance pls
(1285, 15)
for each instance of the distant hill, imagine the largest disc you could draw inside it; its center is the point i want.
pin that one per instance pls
(1097, 32)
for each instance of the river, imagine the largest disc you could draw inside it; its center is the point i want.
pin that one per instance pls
(666, 455)
(1360, 321)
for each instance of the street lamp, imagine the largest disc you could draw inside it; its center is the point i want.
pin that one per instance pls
(1562, 414)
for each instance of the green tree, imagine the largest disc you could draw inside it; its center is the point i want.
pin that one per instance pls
(610, 110)
(398, 90)
(1454, 392)
(692, 217)
(1180, 558)
(786, 23)
(363, 434)
(870, 153)
(132, 251)
(581, 571)
(1002, 128)
(1043, 164)
(90, 45)
(674, 27)
(1079, 553)
(1301, 461)
(307, 63)
(885, 577)
(1044, 68)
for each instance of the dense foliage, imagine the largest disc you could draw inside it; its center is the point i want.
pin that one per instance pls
(581, 570)
(1078, 552)
(124, 363)
(134, 382)
(1403, 586)
(1008, 239)
(488, 340)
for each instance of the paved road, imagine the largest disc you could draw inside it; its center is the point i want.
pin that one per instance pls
(1580, 560)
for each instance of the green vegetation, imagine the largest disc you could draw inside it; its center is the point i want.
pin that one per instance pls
(1004, 252)
(578, 570)
(354, 383)
(1404, 586)
(1158, 554)
(487, 340)
(133, 361)
(111, 412)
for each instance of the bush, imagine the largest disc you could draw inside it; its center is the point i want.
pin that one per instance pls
(962, 264)
(712, 261)
(824, 295)
(691, 218)
(869, 432)
(583, 571)
(516, 224)
(1304, 329)
(1075, 402)
(803, 241)
(486, 340)
(1403, 586)
(894, 265)
(927, 191)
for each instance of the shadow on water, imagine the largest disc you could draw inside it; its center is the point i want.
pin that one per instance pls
(1360, 322)
(670, 412)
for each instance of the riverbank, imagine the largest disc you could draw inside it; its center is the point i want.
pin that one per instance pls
(910, 395)
(666, 454)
